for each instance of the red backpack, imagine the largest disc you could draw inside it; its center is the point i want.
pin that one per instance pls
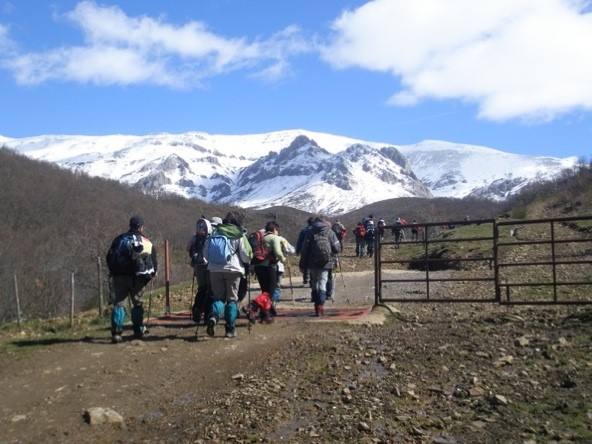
(361, 230)
(260, 250)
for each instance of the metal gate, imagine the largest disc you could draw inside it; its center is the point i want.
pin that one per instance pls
(543, 261)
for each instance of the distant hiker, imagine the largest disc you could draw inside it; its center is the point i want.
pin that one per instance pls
(195, 247)
(267, 252)
(381, 224)
(340, 232)
(318, 255)
(299, 243)
(226, 250)
(414, 231)
(360, 234)
(132, 264)
(370, 237)
(397, 231)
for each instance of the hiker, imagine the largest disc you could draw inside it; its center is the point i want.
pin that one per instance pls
(381, 224)
(299, 242)
(360, 234)
(132, 264)
(397, 231)
(226, 250)
(319, 250)
(267, 253)
(370, 237)
(287, 249)
(414, 231)
(340, 232)
(195, 247)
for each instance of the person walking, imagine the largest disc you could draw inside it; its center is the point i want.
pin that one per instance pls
(266, 256)
(195, 247)
(319, 249)
(132, 263)
(397, 231)
(299, 243)
(370, 237)
(226, 250)
(360, 234)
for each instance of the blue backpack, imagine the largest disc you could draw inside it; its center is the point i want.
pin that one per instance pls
(121, 257)
(219, 250)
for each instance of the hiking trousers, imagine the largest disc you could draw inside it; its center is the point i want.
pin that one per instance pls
(318, 285)
(224, 285)
(267, 276)
(360, 247)
(124, 286)
(200, 304)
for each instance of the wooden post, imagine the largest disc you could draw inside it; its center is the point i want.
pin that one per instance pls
(18, 302)
(100, 283)
(167, 277)
(72, 300)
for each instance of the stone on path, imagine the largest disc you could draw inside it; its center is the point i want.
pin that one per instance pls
(102, 415)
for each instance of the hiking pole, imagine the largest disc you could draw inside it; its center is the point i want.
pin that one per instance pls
(192, 288)
(249, 326)
(341, 272)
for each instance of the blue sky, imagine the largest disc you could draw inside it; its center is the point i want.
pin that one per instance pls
(510, 74)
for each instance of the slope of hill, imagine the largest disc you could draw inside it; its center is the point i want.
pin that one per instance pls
(339, 173)
(426, 210)
(53, 221)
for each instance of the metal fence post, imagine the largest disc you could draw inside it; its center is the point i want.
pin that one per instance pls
(167, 277)
(498, 295)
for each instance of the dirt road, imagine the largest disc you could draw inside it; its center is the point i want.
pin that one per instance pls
(454, 373)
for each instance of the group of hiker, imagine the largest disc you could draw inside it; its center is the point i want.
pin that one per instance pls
(367, 231)
(224, 256)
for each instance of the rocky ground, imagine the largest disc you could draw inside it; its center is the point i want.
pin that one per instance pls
(431, 373)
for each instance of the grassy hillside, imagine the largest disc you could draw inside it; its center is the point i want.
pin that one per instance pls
(53, 222)
(425, 210)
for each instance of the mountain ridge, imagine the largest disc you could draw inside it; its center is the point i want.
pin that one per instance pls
(332, 174)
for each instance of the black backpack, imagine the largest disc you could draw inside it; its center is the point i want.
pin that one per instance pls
(122, 256)
(320, 250)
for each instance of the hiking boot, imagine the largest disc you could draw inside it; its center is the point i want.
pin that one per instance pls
(211, 325)
(230, 333)
(116, 339)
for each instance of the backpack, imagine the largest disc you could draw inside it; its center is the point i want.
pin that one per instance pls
(260, 251)
(203, 228)
(361, 230)
(219, 250)
(339, 230)
(320, 252)
(123, 254)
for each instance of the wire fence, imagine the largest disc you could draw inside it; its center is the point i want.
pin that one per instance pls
(30, 291)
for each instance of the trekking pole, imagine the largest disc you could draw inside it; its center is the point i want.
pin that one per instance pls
(249, 326)
(192, 288)
(341, 272)
(290, 279)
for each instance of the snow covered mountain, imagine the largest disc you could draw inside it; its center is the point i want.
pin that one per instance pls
(457, 170)
(311, 171)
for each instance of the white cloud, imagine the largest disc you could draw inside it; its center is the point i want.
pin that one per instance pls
(514, 58)
(119, 49)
